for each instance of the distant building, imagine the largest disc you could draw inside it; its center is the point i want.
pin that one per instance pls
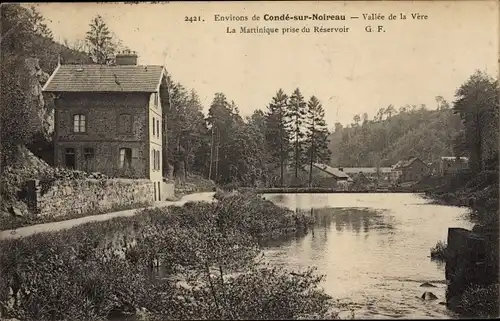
(413, 169)
(362, 181)
(108, 118)
(448, 165)
(329, 177)
(375, 175)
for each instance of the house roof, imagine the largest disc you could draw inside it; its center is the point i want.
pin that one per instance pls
(406, 163)
(104, 78)
(332, 171)
(365, 170)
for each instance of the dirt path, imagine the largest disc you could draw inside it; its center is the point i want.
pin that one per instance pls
(56, 226)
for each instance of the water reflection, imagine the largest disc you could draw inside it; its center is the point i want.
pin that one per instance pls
(373, 249)
(353, 219)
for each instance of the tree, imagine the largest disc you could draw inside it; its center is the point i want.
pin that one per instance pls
(297, 112)
(365, 118)
(38, 22)
(100, 41)
(356, 119)
(277, 131)
(20, 30)
(316, 135)
(390, 110)
(477, 104)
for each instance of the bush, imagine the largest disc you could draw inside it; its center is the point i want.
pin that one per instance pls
(438, 252)
(262, 293)
(480, 301)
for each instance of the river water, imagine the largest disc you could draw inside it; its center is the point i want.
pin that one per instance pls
(373, 250)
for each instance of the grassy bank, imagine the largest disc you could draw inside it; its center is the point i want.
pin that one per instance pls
(111, 268)
(472, 295)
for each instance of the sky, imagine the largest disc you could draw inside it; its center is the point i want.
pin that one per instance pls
(351, 73)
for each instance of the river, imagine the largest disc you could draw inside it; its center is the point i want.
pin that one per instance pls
(373, 250)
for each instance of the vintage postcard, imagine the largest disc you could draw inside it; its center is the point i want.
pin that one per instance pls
(249, 160)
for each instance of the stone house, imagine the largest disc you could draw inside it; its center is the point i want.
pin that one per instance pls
(412, 169)
(108, 118)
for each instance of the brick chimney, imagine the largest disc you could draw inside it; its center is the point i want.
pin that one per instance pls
(126, 57)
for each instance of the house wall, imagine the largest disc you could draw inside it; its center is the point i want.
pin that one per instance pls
(106, 131)
(415, 171)
(155, 173)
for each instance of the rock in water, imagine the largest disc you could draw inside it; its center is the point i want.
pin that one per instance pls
(428, 296)
(427, 285)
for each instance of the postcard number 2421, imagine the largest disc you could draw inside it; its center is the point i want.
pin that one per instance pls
(192, 19)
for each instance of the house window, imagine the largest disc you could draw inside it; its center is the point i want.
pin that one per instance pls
(158, 160)
(153, 159)
(125, 157)
(88, 156)
(69, 158)
(124, 123)
(156, 100)
(153, 126)
(158, 128)
(88, 153)
(79, 125)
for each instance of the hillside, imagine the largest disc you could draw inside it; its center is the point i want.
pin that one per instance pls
(411, 131)
(28, 57)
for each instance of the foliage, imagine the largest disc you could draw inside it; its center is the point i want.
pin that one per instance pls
(477, 104)
(24, 35)
(316, 139)
(100, 41)
(297, 113)
(395, 135)
(108, 268)
(480, 301)
(438, 252)
(186, 131)
(277, 131)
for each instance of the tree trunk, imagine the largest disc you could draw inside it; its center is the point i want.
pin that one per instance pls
(211, 154)
(296, 155)
(217, 156)
(311, 160)
(478, 145)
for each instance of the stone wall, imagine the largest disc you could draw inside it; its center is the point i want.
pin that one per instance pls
(67, 197)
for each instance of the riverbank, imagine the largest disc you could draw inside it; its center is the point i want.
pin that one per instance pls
(470, 293)
(112, 268)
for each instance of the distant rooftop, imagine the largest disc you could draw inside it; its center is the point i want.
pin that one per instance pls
(405, 163)
(104, 78)
(332, 171)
